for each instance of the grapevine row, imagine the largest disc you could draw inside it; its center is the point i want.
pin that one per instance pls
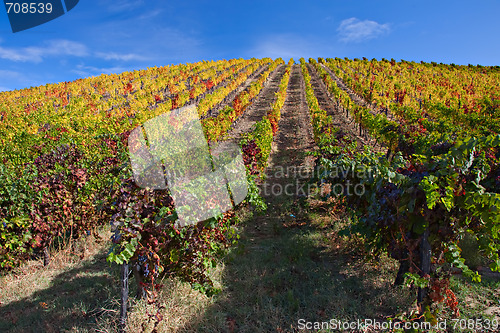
(416, 208)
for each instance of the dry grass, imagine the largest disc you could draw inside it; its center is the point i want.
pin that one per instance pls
(280, 272)
(70, 293)
(32, 276)
(179, 304)
(289, 264)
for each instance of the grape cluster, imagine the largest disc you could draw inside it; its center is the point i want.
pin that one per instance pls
(142, 259)
(145, 270)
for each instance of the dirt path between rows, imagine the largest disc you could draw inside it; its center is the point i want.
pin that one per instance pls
(356, 98)
(258, 109)
(267, 272)
(289, 165)
(341, 119)
(295, 135)
(284, 268)
(213, 112)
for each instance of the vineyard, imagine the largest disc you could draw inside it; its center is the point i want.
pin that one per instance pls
(400, 161)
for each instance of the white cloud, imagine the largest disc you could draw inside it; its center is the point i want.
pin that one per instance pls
(19, 55)
(169, 43)
(149, 15)
(66, 47)
(10, 80)
(5, 73)
(354, 30)
(122, 5)
(118, 56)
(134, 40)
(37, 53)
(86, 71)
(288, 46)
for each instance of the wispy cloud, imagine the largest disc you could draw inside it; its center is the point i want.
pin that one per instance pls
(133, 39)
(149, 15)
(5, 73)
(355, 30)
(169, 43)
(287, 46)
(85, 71)
(10, 79)
(36, 54)
(120, 57)
(122, 5)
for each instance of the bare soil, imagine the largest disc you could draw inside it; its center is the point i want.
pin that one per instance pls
(285, 267)
(213, 112)
(341, 117)
(356, 98)
(258, 109)
(290, 164)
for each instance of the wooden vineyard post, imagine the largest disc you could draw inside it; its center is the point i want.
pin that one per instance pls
(124, 297)
(46, 256)
(360, 127)
(136, 268)
(425, 267)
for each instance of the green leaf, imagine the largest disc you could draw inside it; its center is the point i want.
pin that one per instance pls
(111, 257)
(416, 280)
(495, 266)
(174, 255)
(449, 199)
(430, 189)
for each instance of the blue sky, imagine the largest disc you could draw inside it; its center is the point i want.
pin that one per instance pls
(112, 36)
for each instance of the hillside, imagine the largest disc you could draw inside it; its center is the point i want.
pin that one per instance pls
(373, 193)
